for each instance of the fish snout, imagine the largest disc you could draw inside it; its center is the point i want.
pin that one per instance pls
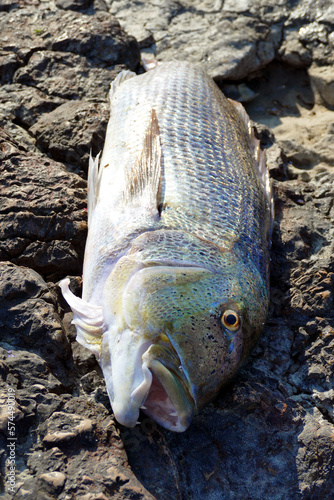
(128, 379)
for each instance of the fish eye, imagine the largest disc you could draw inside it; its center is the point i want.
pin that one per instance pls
(230, 319)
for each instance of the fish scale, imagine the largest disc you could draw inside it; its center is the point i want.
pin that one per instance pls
(179, 222)
(222, 223)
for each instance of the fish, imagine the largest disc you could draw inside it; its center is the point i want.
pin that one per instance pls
(176, 266)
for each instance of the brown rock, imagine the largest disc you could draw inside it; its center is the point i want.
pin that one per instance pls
(55, 479)
(322, 81)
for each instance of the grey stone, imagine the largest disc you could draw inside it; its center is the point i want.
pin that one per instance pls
(97, 37)
(64, 428)
(40, 216)
(233, 39)
(322, 81)
(66, 75)
(230, 43)
(25, 104)
(73, 129)
(49, 257)
(29, 320)
(7, 5)
(90, 381)
(293, 52)
(17, 131)
(83, 444)
(299, 155)
(73, 4)
(308, 34)
(8, 65)
(54, 481)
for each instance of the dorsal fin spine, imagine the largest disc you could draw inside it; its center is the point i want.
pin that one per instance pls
(120, 78)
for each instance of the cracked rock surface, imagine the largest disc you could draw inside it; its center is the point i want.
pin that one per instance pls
(270, 433)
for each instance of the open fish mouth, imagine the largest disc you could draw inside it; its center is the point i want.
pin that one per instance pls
(167, 401)
(144, 375)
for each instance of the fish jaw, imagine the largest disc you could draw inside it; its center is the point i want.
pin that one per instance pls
(168, 401)
(136, 379)
(127, 377)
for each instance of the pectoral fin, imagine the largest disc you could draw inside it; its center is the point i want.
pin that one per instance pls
(93, 184)
(143, 182)
(87, 318)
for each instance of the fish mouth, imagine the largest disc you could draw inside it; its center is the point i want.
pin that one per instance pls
(167, 401)
(143, 375)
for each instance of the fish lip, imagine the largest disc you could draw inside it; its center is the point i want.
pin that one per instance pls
(176, 408)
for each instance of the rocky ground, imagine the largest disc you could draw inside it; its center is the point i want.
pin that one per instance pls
(270, 434)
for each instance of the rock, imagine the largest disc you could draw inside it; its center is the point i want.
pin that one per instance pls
(231, 39)
(308, 34)
(90, 381)
(312, 436)
(64, 428)
(293, 52)
(73, 129)
(97, 38)
(66, 75)
(64, 55)
(8, 5)
(54, 480)
(13, 411)
(300, 155)
(17, 131)
(28, 368)
(101, 469)
(25, 104)
(73, 4)
(28, 314)
(322, 81)
(230, 43)
(39, 255)
(43, 218)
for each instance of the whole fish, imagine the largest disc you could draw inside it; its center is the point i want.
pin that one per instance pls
(175, 279)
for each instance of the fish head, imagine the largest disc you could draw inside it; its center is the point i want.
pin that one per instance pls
(184, 331)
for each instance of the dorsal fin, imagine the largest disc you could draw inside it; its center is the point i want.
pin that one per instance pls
(94, 172)
(93, 183)
(120, 78)
(259, 155)
(143, 182)
(149, 63)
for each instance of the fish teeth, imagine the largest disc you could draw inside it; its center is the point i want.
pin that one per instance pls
(173, 414)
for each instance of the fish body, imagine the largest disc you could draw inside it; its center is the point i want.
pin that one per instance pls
(176, 267)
